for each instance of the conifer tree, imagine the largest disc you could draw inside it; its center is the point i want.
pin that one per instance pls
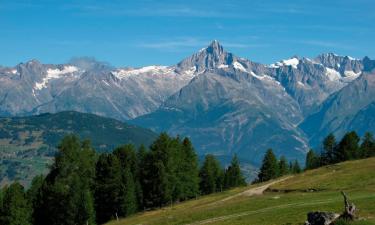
(296, 167)
(67, 190)
(329, 150)
(348, 148)
(108, 188)
(141, 158)
(34, 195)
(312, 160)
(269, 168)
(129, 204)
(233, 176)
(367, 148)
(283, 166)
(15, 209)
(188, 171)
(211, 176)
(129, 170)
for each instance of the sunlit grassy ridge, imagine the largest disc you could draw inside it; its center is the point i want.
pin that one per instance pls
(287, 203)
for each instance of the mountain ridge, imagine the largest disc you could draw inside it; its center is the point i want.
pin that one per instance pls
(212, 95)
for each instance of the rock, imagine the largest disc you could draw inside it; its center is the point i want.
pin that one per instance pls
(321, 218)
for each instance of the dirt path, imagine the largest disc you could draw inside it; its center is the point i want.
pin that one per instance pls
(252, 191)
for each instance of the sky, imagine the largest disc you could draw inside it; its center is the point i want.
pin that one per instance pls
(156, 32)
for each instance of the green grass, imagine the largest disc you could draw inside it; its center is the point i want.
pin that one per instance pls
(287, 203)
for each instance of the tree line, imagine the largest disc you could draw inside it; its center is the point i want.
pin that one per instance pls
(84, 187)
(350, 147)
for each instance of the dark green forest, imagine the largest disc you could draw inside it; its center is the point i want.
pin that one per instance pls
(86, 187)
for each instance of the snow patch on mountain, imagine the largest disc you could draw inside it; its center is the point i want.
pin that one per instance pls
(156, 70)
(350, 73)
(222, 66)
(332, 74)
(55, 74)
(293, 62)
(239, 66)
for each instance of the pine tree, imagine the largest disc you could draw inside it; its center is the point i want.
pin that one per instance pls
(296, 167)
(16, 209)
(34, 195)
(129, 204)
(367, 148)
(160, 193)
(283, 166)
(211, 176)
(329, 147)
(348, 148)
(312, 160)
(141, 157)
(269, 168)
(164, 162)
(233, 176)
(188, 171)
(129, 166)
(108, 188)
(66, 191)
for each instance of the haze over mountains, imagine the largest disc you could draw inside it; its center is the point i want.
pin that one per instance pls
(225, 103)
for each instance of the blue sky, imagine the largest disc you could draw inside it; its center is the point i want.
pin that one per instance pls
(145, 32)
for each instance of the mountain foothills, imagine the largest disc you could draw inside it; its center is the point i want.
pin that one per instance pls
(224, 103)
(29, 143)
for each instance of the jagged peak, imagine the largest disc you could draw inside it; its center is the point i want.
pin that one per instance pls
(214, 48)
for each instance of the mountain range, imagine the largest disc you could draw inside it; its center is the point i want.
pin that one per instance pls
(225, 103)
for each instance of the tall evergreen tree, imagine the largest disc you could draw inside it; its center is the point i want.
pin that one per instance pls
(269, 168)
(348, 148)
(233, 176)
(67, 191)
(329, 147)
(188, 171)
(296, 167)
(108, 188)
(129, 204)
(283, 166)
(211, 176)
(34, 195)
(141, 159)
(163, 161)
(16, 209)
(312, 160)
(367, 148)
(129, 166)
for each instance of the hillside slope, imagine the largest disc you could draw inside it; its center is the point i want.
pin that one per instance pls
(286, 201)
(27, 144)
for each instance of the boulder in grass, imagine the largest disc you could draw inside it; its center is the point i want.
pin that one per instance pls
(321, 218)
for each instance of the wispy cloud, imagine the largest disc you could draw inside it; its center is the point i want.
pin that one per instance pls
(144, 10)
(181, 44)
(326, 44)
